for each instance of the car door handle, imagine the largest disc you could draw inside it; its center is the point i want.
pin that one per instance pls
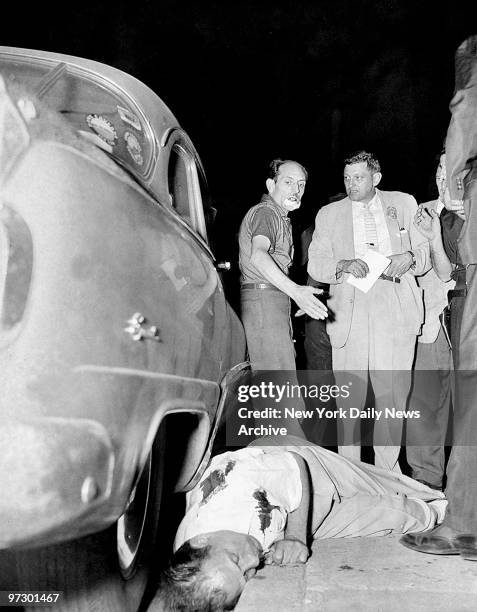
(225, 266)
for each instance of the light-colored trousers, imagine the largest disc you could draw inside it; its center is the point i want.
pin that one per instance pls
(352, 498)
(431, 394)
(377, 345)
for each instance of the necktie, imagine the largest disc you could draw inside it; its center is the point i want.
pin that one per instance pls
(370, 228)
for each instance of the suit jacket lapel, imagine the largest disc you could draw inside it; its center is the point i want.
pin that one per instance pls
(347, 229)
(391, 214)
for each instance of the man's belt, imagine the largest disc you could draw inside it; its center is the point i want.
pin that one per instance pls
(455, 293)
(259, 286)
(393, 279)
(459, 275)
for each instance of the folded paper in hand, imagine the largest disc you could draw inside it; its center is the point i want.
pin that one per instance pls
(377, 263)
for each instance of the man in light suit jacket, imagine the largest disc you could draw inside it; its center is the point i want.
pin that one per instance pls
(376, 331)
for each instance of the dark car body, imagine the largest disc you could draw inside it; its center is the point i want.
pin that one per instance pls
(113, 315)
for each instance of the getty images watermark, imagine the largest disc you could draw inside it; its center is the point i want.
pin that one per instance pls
(323, 393)
(268, 401)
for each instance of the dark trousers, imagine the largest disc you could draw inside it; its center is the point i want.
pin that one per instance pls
(317, 345)
(319, 372)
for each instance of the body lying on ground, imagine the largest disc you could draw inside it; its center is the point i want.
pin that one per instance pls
(264, 503)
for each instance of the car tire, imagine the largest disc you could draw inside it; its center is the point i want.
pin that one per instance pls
(84, 571)
(87, 571)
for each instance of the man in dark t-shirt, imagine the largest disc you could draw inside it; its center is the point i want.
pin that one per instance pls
(266, 253)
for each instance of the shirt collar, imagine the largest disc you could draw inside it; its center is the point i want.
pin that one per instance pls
(374, 203)
(267, 199)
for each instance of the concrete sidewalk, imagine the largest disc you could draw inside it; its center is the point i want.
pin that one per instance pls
(368, 575)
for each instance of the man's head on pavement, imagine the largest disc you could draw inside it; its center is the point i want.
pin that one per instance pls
(209, 572)
(362, 174)
(286, 183)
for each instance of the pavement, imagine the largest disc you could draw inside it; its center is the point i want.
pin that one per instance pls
(368, 575)
(353, 575)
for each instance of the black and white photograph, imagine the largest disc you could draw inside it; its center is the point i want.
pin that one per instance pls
(238, 306)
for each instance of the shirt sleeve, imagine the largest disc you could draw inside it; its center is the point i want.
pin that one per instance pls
(322, 261)
(280, 477)
(264, 222)
(419, 244)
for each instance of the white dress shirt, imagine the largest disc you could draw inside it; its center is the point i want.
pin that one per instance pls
(249, 491)
(361, 245)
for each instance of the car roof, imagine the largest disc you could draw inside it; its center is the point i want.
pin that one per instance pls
(101, 102)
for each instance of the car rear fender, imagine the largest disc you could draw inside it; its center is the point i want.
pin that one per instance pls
(228, 387)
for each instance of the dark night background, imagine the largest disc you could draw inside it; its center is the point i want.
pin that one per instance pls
(250, 81)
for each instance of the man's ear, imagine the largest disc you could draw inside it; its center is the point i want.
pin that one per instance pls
(270, 183)
(377, 176)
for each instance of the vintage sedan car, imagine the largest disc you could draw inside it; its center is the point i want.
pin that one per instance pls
(118, 349)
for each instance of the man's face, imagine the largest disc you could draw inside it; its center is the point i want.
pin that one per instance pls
(360, 182)
(288, 187)
(441, 180)
(232, 561)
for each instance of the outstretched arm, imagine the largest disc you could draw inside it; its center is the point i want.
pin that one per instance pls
(293, 548)
(303, 295)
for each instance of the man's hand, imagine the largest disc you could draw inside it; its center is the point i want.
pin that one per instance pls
(304, 296)
(428, 223)
(287, 552)
(356, 267)
(399, 264)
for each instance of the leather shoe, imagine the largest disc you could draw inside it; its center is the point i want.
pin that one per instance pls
(467, 545)
(426, 542)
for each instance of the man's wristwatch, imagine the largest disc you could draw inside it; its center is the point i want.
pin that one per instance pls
(413, 263)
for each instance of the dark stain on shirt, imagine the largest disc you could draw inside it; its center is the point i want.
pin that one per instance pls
(229, 467)
(216, 481)
(264, 508)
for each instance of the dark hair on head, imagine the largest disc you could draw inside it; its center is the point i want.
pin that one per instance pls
(275, 164)
(363, 156)
(183, 587)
